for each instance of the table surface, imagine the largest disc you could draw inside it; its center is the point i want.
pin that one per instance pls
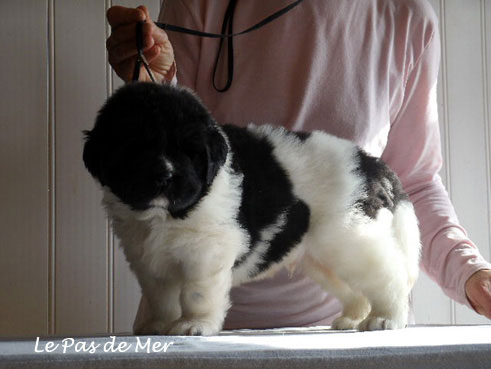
(315, 347)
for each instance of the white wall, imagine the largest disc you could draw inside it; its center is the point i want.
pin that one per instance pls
(61, 271)
(464, 107)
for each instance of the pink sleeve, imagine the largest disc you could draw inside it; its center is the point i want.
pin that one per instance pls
(413, 152)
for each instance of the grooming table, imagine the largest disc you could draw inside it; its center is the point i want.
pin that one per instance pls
(310, 348)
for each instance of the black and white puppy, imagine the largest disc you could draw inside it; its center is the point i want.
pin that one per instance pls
(200, 208)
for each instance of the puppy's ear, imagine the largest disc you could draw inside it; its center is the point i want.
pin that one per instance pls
(92, 156)
(216, 152)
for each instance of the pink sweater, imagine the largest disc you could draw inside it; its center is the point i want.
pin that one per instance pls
(365, 70)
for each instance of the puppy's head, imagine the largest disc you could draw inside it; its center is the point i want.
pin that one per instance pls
(155, 145)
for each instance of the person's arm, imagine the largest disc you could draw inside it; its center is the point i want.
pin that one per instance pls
(413, 151)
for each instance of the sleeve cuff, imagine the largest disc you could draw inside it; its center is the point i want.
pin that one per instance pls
(472, 266)
(455, 258)
(463, 261)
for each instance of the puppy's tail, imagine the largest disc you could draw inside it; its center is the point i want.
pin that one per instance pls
(406, 231)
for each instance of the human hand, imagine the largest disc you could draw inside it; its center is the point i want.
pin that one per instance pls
(478, 291)
(121, 45)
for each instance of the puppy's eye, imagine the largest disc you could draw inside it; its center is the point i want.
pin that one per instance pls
(191, 139)
(193, 152)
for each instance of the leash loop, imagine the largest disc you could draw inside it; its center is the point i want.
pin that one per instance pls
(227, 26)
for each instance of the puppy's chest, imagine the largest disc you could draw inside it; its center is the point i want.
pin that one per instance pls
(145, 243)
(177, 245)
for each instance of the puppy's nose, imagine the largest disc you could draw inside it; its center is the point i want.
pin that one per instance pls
(164, 181)
(167, 171)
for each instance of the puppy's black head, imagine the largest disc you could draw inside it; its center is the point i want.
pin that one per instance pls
(154, 141)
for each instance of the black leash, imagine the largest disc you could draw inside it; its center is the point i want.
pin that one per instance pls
(140, 58)
(227, 24)
(269, 19)
(227, 21)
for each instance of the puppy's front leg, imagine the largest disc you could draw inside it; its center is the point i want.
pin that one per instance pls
(162, 296)
(204, 303)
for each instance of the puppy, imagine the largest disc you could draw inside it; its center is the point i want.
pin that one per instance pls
(200, 208)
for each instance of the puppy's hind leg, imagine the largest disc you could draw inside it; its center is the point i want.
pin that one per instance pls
(371, 261)
(389, 307)
(397, 270)
(355, 305)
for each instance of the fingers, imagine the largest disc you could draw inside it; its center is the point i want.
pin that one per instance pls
(158, 35)
(482, 310)
(484, 302)
(124, 33)
(121, 43)
(124, 69)
(119, 15)
(478, 289)
(152, 53)
(144, 9)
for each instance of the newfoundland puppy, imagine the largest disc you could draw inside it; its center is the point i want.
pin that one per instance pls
(201, 207)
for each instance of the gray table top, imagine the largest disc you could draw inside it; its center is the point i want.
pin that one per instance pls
(317, 347)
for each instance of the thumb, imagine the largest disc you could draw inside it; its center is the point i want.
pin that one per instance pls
(145, 10)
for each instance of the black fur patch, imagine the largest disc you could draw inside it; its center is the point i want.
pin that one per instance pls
(266, 193)
(297, 223)
(301, 135)
(383, 188)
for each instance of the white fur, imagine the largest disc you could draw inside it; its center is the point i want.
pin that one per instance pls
(185, 266)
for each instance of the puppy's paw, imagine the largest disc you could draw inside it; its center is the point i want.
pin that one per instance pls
(344, 323)
(196, 327)
(374, 323)
(151, 328)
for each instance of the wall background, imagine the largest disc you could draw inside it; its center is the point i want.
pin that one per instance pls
(61, 271)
